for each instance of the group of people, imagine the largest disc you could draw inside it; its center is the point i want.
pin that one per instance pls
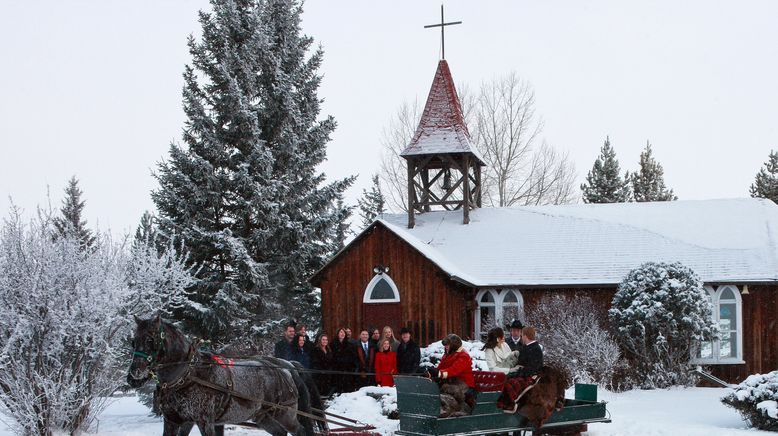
(345, 364)
(519, 356)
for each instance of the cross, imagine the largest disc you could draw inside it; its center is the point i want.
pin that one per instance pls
(442, 26)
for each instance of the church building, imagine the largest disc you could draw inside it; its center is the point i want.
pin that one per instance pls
(451, 266)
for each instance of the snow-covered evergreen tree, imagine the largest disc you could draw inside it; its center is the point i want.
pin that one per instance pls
(146, 231)
(766, 182)
(604, 183)
(372, 203)
(648, 183)
(71, 222)
(661, 315)
(342, 231)
(244, 193)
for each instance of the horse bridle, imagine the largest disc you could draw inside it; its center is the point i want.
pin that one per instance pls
(152, 358)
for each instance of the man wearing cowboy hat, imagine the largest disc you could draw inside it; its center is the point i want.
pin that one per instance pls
(514, 340)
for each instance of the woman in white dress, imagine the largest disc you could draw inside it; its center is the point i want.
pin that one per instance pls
(499, 356)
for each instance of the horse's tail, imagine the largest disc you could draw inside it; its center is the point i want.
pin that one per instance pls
(304, 398)
(316, 401)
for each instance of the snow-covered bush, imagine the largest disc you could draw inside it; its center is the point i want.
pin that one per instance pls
(756, 398)
(575, 342)
(65, 314)
(431, 354)
(661, 314)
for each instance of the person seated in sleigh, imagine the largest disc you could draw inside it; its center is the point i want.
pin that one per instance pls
(525, 374)
(455, 375)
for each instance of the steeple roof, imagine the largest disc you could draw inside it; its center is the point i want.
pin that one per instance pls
(442, 127)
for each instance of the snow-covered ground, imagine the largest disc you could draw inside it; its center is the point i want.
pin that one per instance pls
(678, 411)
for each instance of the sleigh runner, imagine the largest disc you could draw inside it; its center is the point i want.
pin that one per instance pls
(418, 401)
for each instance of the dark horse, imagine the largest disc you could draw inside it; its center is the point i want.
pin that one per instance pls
(548, 394)
(206, 389)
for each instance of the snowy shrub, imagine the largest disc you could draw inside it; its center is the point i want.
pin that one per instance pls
(65, 314)
(757, 400)
(575, 342)
(661, 314)
(431, 354)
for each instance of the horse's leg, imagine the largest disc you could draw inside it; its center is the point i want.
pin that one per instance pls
(170, 428)
(206, 429)
(185, 428)
(272, 426)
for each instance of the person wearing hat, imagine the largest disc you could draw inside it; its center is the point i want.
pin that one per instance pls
(514, 341)
(408, 353)
(455, 372)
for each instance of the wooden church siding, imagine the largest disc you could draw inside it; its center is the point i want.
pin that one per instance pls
(760, 342)
(432, 306)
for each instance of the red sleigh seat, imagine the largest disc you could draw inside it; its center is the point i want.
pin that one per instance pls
(488, 381)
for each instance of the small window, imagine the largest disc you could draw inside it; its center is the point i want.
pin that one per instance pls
(727, 313)
(381, 289)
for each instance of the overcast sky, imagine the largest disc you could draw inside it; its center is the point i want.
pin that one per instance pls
(94, 88)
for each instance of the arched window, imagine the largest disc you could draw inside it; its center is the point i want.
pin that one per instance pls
(381, 289)
(512, 306)
(728, 314)
(497, 308)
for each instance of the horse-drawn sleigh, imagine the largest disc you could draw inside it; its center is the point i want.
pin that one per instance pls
(418, 401)
(197, 388)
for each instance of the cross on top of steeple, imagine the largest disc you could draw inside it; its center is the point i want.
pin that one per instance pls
(442, 26)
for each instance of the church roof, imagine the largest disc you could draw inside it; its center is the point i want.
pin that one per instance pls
(723, 241)
(442, 127)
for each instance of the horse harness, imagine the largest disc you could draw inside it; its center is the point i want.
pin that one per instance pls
(187, 379)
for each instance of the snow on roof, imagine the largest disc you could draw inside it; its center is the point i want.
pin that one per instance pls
(442, 127)
(598, 244)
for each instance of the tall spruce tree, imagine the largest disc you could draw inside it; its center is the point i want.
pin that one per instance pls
(604, 183)
(71, 221)
(342, 231)
(372, 203)
(244, 194)
(766, 182)
(648, 183)
(146, 232)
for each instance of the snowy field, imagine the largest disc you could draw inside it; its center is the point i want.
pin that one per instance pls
(688, 412)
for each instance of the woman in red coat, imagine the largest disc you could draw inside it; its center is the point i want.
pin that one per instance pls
(455, 372)
(456, 363)
(385, 364)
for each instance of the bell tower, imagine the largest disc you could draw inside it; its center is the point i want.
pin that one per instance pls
(444, 168)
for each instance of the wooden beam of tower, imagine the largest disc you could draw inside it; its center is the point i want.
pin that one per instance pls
(425, 181)
(411, 194)
(466, 190)
(478, 186)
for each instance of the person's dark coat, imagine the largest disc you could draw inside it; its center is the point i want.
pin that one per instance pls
(308, 344)
(344, 359)
(322, 361)
(282, 349)
(408, 357)
(300, 354)
(366, 363)
(515, 346)
(531, 360)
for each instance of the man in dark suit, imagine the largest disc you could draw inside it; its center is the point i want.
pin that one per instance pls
(284, 346)
(408, 353)
(514, 340)
(366, 355)
(531, 357)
